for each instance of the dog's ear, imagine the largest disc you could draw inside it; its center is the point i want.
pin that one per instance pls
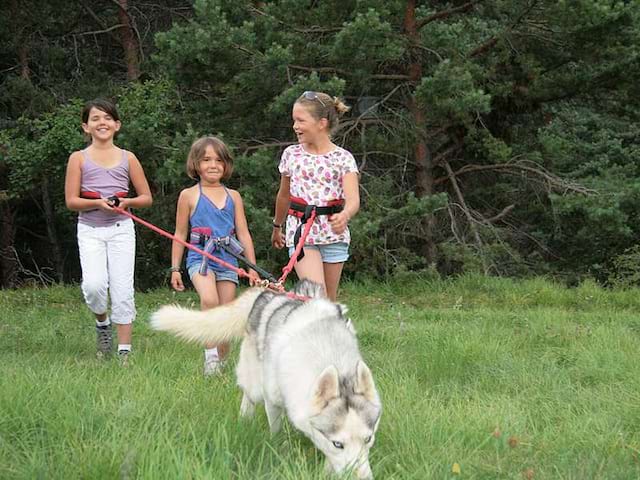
(327, 388)
(364, 383)
(343, 309)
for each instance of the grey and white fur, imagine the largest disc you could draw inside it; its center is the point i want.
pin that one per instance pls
(300, 357)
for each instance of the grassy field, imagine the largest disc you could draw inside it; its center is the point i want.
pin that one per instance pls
(480, 379)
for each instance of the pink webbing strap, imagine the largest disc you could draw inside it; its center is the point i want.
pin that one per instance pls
(239, 271)
(294, 258)
(96, 196)
(279, 288)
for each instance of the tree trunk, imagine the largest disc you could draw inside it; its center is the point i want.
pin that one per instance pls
(129, 42)
(421, 152)
(9, 266)
(8, 261)
(22, 45)
(56, 251)
(23, 59)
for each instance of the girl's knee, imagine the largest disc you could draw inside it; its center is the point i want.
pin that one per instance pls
(94, 288)
(208, 302)
(95, 296)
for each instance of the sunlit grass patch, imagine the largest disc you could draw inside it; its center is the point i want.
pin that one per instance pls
(480, 378)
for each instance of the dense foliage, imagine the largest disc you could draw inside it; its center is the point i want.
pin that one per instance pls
(494, 136)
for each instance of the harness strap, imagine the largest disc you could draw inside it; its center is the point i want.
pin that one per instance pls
(209, 246)
(115, 198)
(96, 196)
(299, 208)
(202, 236)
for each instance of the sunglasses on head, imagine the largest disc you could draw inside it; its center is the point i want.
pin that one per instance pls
(309, 95)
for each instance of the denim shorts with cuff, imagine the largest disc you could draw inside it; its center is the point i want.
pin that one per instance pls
(331, 252)
(225, 275)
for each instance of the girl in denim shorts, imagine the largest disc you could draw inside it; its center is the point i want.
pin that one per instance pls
(211, 213)
(317, 172)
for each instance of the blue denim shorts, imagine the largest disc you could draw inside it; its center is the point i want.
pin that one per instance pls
(226, 275)
(330, 252)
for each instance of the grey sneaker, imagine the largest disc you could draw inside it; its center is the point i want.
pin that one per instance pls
(103, 341)
(124, 356)
(213, 367)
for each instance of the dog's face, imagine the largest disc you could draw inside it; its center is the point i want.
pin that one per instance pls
(346, 417)
(310, 289)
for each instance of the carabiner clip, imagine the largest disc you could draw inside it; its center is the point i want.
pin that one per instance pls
(115, 200)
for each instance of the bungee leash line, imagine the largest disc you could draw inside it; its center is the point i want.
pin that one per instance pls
(261, 271)
(238, 270)
(286, 270)
(267, 282)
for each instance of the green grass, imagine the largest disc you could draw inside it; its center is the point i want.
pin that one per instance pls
(508, 380)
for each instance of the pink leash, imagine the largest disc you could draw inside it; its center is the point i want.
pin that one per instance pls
(286, 270)
(278, 287)
(238, 270)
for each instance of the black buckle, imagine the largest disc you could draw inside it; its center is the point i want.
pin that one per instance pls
(308, 210)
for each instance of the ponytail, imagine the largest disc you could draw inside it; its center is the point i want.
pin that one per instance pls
(340, 107)
(320, 105)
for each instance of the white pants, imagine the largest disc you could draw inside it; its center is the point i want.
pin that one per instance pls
(107, 258)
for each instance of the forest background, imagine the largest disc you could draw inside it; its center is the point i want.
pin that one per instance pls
(495, 136)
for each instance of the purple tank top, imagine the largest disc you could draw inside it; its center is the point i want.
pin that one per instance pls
(106, 182)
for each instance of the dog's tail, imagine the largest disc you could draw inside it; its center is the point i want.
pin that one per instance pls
(218, 325)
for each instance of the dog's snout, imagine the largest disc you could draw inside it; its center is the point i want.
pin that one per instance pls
(364, 471)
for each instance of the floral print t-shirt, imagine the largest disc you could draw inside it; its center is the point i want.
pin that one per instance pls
(317, 179)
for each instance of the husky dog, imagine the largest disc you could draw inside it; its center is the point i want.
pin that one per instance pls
(298, 356)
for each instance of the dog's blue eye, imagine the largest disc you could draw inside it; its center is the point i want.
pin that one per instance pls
(367, 440)
(338, 445)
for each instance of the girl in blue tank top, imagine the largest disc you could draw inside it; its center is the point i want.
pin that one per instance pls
(208, 221)
(208, 213)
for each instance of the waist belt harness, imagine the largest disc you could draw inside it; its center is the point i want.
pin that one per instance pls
(299, 208)
(96, 196)
(203, 238)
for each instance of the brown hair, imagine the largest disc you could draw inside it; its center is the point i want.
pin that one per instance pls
(101, 104)
(197, 152)
(321, 105)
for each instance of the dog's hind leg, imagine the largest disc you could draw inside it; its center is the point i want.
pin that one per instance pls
(249, 376)
(274, 415)
(247, 407)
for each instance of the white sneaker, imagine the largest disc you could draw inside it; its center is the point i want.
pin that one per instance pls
(213, 367)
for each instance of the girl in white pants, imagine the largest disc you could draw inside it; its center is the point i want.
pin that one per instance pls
(106, 238)
(107, 258)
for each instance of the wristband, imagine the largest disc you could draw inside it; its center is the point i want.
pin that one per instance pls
(175, 269)
(276, 225)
